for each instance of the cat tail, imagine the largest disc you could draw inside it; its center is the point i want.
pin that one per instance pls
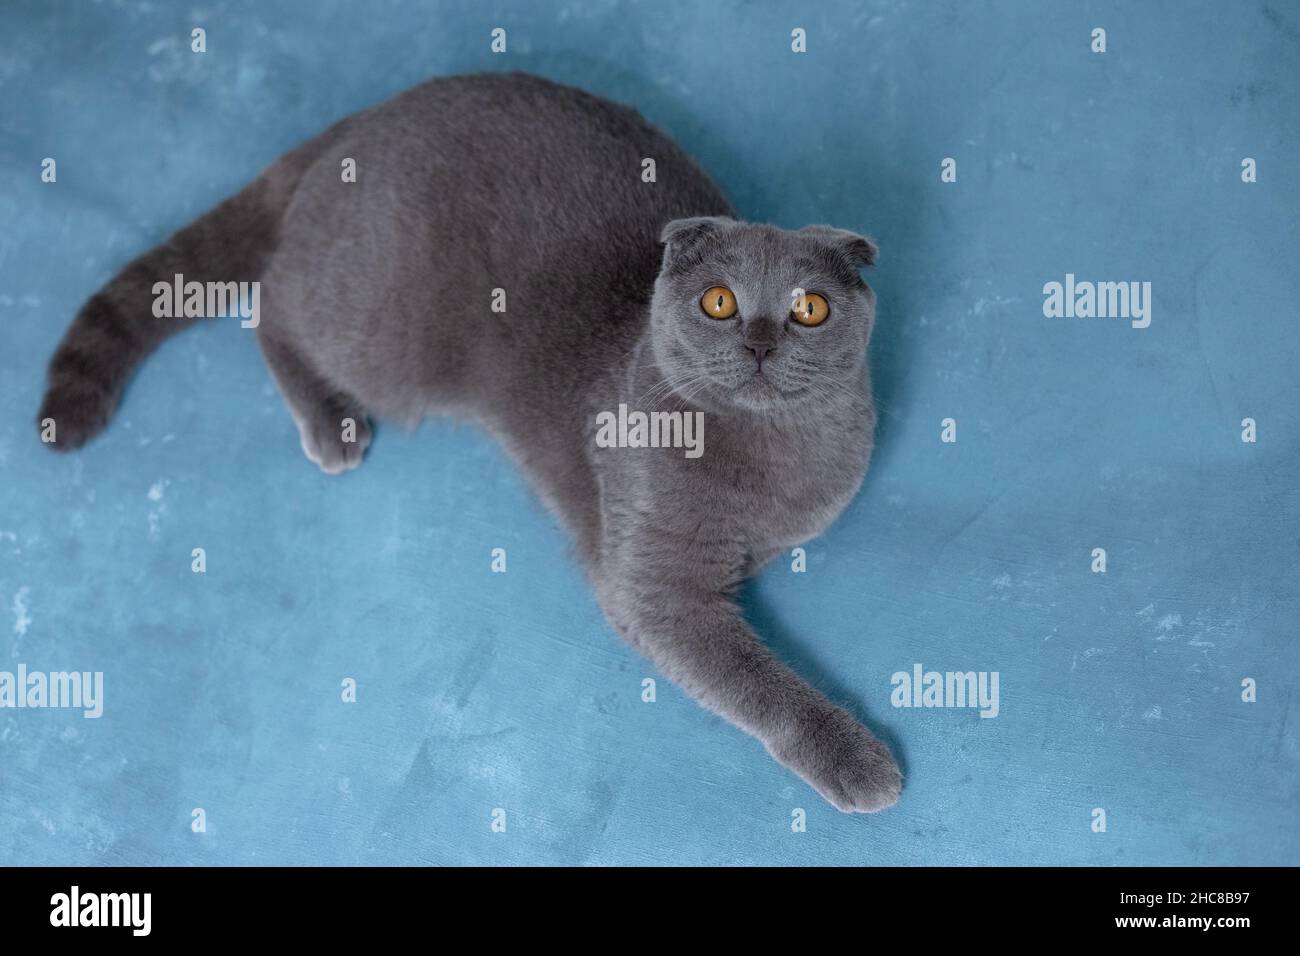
(117, 329)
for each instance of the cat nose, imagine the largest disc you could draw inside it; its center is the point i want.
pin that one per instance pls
(761, 352)
(760, 336)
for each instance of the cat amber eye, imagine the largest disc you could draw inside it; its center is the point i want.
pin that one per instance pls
(810, 309)
(718, 303)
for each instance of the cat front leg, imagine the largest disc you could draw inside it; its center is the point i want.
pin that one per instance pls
(699, 639)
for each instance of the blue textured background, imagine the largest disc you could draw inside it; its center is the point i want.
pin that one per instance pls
(480, 690)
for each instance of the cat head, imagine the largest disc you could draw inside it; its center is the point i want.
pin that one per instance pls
(755, 317)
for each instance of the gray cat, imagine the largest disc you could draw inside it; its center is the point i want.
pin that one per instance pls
(618, 291)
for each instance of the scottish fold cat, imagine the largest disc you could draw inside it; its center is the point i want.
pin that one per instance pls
(619, 288)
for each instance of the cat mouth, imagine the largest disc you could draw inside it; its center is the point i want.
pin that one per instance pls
(764, 387)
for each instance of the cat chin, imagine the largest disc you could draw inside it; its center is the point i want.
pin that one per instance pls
(760, 393)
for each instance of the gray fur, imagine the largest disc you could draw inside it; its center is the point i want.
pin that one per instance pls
(375, 301)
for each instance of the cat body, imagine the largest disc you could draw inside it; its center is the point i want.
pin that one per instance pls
(512, 191)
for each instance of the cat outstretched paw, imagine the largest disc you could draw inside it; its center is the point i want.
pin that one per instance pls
(335, 447)
(843, 761)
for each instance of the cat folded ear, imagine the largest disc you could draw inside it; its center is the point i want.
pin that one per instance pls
(682, 237)
(859, 249)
